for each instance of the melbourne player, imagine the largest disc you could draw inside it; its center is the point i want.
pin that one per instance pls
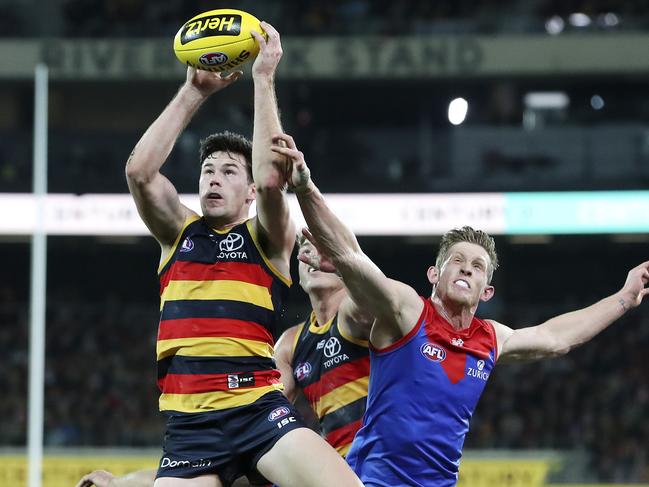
(431, 357)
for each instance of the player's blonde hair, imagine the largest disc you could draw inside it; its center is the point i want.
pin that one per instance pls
(471, 235)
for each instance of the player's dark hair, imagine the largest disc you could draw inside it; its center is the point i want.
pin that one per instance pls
(230, 143)
(471, 235)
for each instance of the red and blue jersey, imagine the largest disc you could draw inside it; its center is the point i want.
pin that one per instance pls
(422, 393)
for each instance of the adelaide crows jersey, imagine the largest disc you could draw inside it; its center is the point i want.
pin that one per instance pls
(220, 299)
(332, 369)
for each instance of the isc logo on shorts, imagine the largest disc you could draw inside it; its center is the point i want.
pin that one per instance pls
(277, 413)
(433, 352)
(286, 421)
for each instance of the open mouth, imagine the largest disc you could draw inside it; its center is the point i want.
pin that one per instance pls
(462, 283)
(214, 196)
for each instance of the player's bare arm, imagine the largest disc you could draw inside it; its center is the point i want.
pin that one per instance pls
(355, 320)
(155, 196)
(395, 305)
(562, 333)
(274, 226)
(284, 358)
(102, 478)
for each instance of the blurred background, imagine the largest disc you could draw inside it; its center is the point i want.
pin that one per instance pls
(383, 97)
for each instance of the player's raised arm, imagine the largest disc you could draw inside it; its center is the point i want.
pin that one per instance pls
(156, 198)
(269, 170)
(562, 333)
(395, 305)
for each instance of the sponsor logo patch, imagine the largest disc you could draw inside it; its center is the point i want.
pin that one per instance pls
(232, 242)
(213, 25)
(478, 371)
(241, 380)
(230, 246)
(169, 463)
(285, 421)
(332, 347)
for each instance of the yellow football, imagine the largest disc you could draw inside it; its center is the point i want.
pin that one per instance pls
(218, 40)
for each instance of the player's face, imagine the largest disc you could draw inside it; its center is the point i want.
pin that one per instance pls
(223, 187)
(312, 279)
(463, 277)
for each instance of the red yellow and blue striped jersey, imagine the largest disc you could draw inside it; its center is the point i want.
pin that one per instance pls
(220, 300)
(333, 371)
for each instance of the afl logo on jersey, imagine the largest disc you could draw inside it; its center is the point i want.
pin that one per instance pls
(433, 352)
(187, 245)
(302, 371)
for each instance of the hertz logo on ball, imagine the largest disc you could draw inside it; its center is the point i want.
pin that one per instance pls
(215, 25)
(218, 40)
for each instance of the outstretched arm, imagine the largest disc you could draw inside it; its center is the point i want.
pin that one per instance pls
(395, 305)
(273, 221)
(562, 333)
(102, 478)
(156, 198)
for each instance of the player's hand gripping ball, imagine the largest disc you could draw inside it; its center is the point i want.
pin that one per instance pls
(218, 40)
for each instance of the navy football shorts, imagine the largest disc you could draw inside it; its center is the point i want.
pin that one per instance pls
(229, 442)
